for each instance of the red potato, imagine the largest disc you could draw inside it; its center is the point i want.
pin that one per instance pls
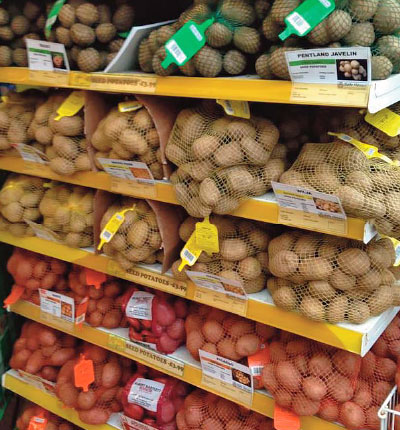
(277, 352)
(380, 348)
(112, 319)
(166, 412)
(329, 410)
(95, 353)
(194, 342)
(385, 368)
(35, 362)
(368, 365)
(266, 332)
(32, 284)
(212, 424)
(192, 322)
(164, 313)
(320, 365)
(94, 416)
(363, 397)
(20, 344)
(66, 373)
(227, 348)
(340, 388)
(111, 375)
(177, 329)
(372, 420)
(394, 347)
(240, 328)
(352, 416)
(301, 364)
(297, 347)
(86, 400)
(58, 267)
(347, 363)
(39, 269)
(46, 336)
(288, 376)
(213, 331)
(112, 289)
(194, 416)
(49, 373)
(48, 281)
(68, 394)
(181, 308)
(166, 344)
(24, 270)
(18, 361)
(32, 343)
(314, 388)
(303, 406)
(391, 332)
(61, 356)
(380, 390)
(284, 399)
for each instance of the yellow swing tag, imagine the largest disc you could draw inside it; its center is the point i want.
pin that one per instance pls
(129, 106)
(71, 105)
(236, 108)
(207, 236)
(113, 226)
(385, 120)
(190, 253)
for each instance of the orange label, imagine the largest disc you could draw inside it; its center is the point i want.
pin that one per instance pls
(95, 278)
(83, 373)
(37, 422)
(285, 419)
(14, 296)
(257, 361)
(80, 312)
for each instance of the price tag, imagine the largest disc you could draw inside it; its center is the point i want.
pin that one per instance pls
(257, 362)
(207, 236)
(95, 278)
(190, 253)
(79, 79)
(113, 226)
(236, 108)
(71, 105)
(385, 120)
(231, 379)
(117, 343)
(285, 419)
(131, 424)
(83, 373)
(38, 422)
(300, 207)
(306, 17)
(46, 56)
(81, 310)
(57, 304)
(223, 293)
(29, 153)
(16, 292)
(146, 393)
(185, 43)
(129, 106)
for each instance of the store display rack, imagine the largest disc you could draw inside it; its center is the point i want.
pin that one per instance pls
(351, 337)
(264, 208)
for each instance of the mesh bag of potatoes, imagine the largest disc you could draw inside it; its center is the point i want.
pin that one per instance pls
(90, 32)
(111, 372)
(243, 253)
(367, 188)
(62, 140)
(310, 378)
(33, 271)
(54, 422)
(369, 23)
(20, 197)
(221, 160)
(129, 136)
(332, 279)
(202, 411)
(104, 300)
(231, 40)
(68, 212)
(19, 21)
(138, 240)
(41, 351)
(224, 334)
(16, 115)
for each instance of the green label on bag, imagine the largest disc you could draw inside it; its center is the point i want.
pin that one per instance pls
(52, 18)
(306, 17)
(185, 43)
(124, 35)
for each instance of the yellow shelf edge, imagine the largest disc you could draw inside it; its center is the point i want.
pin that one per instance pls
(255, 209)
(246, 88)
(262, 403)
(47, 401)
(337, 336)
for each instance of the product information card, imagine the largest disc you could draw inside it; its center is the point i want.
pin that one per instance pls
(346, 66)
(47, 56)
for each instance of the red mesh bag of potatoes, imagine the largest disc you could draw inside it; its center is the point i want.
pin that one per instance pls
(68, 213)
(111, 372)
(154, 401)
(42, 351)
(63, 138)
(328, 278)
(310, 378)
(53, 422)
(224, 334)
(104, 300)
(33, 271)
(16, 116)
(222, 160)
(367, 188)
(90, 32)
(206, 411)
(20, 197)
(148, 233)
(157, 319)
(137, 130)
(243, 253)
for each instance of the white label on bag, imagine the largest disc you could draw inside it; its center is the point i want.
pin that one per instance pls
(146, 393)
(57, 304)
(139, 306)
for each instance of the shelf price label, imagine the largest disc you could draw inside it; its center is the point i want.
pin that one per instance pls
(231, 379)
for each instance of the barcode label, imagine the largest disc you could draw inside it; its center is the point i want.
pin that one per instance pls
(189, 256)
(326, 3)
(196, 33)
(256, 370)
(106, 235)
(176, 51)
(298, 22)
